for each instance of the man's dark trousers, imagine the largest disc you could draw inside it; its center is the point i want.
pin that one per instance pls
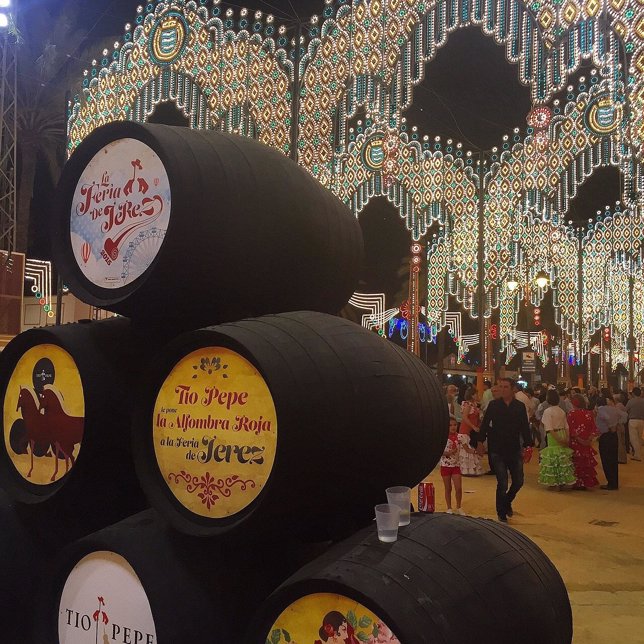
(608, 445)
(500, 465)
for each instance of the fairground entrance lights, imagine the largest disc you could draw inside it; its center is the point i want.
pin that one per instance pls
(4, 14)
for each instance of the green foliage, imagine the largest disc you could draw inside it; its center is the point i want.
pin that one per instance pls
(276, 636)
(365, 621)
(351, 618)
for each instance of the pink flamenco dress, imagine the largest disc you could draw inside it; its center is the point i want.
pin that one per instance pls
(582, 426)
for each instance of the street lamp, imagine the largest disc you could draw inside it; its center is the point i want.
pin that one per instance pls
(4, 15)
(541, 279)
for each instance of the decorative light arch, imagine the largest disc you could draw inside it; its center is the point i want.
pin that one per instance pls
(239, 73)
(181, 52)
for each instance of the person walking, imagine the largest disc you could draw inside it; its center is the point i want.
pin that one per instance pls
(564, 401)
(608, 417)
(556, 468)
(538, 414)
(487, 395)
(576, 391)
(452, 401)
(593, 395)
(521, 396)
(504, 424)
(635, 411)
(471, 462)
(532, 404)
(583, 430)
(622, 443)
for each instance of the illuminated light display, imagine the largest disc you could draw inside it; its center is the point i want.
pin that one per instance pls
(39, 272)
(414, 297)
(534, 340)
(168, 38)
(603, 116)
(375, 304)
(452, 320)
(425, 332)
(238, 81)
(354, 76)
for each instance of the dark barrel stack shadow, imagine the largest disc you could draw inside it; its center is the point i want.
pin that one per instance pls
(205, 468)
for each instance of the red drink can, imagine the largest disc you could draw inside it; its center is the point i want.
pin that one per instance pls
(426, 501)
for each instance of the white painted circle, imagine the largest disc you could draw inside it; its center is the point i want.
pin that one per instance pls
(103, 601)
(120, 213)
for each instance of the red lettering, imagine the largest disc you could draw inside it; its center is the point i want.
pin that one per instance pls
(104, 200)
(186, 397)
(86, 191)
(224, 398)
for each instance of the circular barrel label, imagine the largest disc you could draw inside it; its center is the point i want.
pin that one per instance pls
(215, 432)
(119, 213)
(334, 619)
(43, 414)
(104, 601)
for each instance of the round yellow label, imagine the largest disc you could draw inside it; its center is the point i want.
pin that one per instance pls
(329, 618)
(215, 432)
(43, 414)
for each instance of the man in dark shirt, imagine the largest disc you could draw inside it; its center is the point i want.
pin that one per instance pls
(504, 424)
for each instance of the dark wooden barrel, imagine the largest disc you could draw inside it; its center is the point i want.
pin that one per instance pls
(139, 582)
(21, 564)
(446, 580)
(155, 221)
(66, 402)
(293, 423)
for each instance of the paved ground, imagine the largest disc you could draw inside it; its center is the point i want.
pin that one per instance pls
(596, 540)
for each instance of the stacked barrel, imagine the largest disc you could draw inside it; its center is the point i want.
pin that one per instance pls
(257, 441)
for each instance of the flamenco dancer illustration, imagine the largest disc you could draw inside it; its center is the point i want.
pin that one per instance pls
(336, 629)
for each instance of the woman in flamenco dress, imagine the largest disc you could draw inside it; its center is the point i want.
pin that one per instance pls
(556, 470)
(583, 430)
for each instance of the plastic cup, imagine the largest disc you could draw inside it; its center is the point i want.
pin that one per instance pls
(400, 496)
(387, 517)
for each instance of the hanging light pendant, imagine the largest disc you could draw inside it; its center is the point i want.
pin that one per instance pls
(542, 279)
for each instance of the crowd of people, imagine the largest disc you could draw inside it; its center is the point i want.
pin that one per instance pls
(509, 422)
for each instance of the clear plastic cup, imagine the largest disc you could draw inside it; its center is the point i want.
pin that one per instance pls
(400, 496)
(387, 517)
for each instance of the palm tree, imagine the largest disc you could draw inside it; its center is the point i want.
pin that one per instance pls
(48, 51)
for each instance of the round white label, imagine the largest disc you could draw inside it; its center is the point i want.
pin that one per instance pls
(103, 601)
(120, 213)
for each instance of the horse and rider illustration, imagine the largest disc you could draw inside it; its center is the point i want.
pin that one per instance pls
(45, 429)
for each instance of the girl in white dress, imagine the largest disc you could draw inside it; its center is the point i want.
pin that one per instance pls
(470, 460)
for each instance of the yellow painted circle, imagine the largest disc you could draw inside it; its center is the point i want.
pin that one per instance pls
(215, 432)
(330, 618)
(43, 414)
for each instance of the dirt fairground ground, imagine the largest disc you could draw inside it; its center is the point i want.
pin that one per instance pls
(595, 539)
